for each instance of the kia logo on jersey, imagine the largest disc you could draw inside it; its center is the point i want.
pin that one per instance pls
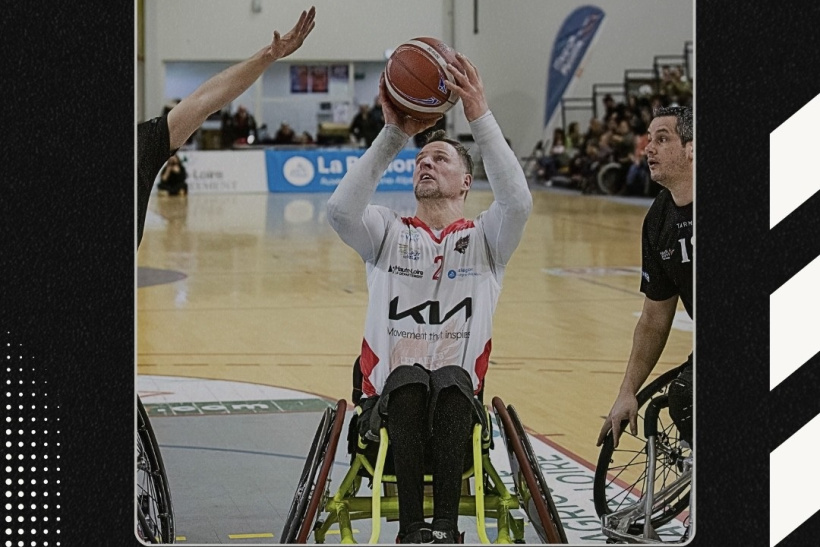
(433, 308)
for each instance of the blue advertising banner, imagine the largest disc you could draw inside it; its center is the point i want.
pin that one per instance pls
(321, 170)
(568, 51)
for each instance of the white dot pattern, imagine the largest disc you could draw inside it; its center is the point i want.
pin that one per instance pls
(31, 459)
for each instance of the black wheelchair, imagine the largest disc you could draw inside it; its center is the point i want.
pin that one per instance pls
(646, 482)
(155, 512)
(314, 509)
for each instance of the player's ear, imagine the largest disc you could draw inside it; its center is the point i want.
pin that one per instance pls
(468, 181)
(690, 150)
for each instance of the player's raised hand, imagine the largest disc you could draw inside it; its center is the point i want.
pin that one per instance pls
(468, 86)
(282, 46)
(411, 126)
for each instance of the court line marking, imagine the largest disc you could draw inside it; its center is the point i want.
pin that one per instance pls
(239, 451)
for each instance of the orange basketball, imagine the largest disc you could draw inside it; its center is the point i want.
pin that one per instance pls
(415, 76)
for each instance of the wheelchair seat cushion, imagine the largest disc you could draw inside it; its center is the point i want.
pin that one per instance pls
(434, 381)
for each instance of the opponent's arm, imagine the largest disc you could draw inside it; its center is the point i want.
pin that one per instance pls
(229, 84)
(648, 342)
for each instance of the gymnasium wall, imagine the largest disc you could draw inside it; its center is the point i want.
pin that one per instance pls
(510, 42)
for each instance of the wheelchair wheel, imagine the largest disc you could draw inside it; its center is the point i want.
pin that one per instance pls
(621, 472)
(529, 481)
(313, 483)
(155, 514)
(611, 179)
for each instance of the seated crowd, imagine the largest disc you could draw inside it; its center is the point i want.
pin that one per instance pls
(574, 159)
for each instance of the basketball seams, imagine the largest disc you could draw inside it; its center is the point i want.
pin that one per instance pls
(413, 107)
(429, 50)
(421, 53)
(412, 73)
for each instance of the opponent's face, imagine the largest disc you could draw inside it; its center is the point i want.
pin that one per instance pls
(439, 172)
(670, 161)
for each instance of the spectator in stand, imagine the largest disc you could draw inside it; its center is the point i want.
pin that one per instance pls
(623, 142)
(244, 126)
(605, 152)
(226, 129)
(609, 106)
(574, 140)
(365, 126)
(378, 113)
(557, 160)
(594, 132)
(173, 179)
(637, 176)
(285, 134)
(674, 88)
(584, 166)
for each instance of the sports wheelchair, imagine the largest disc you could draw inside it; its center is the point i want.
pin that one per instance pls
(155, 512)
(645, 483)
(314, 509)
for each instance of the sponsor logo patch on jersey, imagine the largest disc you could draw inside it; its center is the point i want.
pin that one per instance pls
(407, 252)
(461, 244)
(667, 254)
(407, 272)
(410, 235)
(462, 272)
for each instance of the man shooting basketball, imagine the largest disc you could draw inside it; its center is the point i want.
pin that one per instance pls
(433, 282)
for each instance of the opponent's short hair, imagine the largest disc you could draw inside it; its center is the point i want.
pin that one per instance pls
(683, 117)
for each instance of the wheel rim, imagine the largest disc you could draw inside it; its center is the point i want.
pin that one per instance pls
(621, 472)
(155, 517)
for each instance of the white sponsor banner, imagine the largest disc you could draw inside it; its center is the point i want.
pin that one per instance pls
(224, 171)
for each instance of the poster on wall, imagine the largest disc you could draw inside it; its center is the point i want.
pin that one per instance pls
(298, 79)
(318, 79)
(339, 73)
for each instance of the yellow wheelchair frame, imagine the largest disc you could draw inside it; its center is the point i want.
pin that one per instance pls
(491, 498)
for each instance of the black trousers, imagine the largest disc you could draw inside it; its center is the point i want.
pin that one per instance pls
(429, 417)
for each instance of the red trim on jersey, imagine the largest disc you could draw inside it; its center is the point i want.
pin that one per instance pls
(461, 224)
(482, 364)
(367, 363)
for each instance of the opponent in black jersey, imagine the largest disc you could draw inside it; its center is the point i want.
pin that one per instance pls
(159, 138)
(668, 255)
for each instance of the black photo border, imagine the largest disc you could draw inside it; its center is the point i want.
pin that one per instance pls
(68, 267)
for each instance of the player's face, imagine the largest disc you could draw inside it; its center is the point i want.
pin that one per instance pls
(670, 161)
(439, 172)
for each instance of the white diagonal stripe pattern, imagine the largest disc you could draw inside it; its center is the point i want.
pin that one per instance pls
(793, 332)
(794, 480)
(793, 176)
(794, 476)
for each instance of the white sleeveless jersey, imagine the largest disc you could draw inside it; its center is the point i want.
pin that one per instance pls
(431, 301)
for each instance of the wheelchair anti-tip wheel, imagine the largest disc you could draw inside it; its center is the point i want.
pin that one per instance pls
(314, 482)
(530, 484)
(621, 472)
(155, 514)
